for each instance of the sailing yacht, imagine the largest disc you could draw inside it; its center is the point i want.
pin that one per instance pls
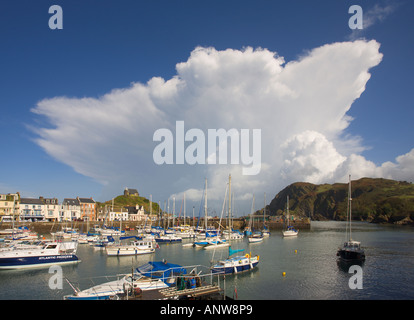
(236, 264)
(290, 230)
(265, 229)
(351, 249)
(256, 236)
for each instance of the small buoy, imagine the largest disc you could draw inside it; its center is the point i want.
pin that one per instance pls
(283, 273)
(296, 251)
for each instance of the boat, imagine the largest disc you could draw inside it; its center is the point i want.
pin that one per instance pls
(236, 264)
(255, 237)
(136, 247)
(168, 238)
(204, 236)
(351, 250)
(103, 242)
(290, 231)
(150, 276)
(35, 256)
(19, 233)
(265, 229)
(233, 234)
(216, 243)
(265, 232)
(83, 238)
(67, 233)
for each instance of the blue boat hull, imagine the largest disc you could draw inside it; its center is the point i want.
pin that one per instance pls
(168, 240)
(35, 262)
(230, 270)
(106, 297)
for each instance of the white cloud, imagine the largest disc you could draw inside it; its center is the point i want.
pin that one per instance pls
(310, 157)
(300, 106)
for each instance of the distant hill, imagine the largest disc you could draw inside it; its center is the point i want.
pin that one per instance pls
(374, 200)
(130, 200)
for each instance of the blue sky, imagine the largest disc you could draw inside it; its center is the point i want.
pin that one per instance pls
(107, 45)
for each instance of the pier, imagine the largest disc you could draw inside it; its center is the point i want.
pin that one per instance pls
(205, 292)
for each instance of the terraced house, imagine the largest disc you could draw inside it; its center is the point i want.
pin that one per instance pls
(87, 208)
(9, 206)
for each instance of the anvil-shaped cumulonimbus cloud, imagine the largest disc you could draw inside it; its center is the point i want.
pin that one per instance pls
(299, 106)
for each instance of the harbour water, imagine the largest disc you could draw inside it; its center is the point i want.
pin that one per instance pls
(308, 261)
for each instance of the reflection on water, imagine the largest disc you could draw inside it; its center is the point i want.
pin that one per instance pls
(308, 261)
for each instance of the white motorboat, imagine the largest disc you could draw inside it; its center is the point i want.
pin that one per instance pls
(35, 256)
(136, 247)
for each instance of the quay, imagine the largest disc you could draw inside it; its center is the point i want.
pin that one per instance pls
(45, 228)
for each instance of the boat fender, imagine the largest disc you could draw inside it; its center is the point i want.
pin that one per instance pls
(137, 292)
(192, 283)
(198, 281)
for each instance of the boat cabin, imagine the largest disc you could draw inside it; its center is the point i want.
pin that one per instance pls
(352, 245)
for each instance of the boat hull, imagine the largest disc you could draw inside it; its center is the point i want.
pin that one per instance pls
(233, 268)
(37, 262)
(351, 255)
(290, 233)
(160, 240)
(128, 251)
(109, 290)
(255, 240)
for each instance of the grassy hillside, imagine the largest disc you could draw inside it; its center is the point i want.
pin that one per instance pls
(376, 200)
(131, 200)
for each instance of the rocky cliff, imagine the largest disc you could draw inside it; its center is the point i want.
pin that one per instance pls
(375, 200)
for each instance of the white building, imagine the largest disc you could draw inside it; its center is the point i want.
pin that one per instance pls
(32, 209)
(118, 216)
(51, 208)
(137, 214)
(70, 210)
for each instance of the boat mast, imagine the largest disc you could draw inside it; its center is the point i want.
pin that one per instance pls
(264, 211)
(205, 207)
(253, 214)
(349, 207)
(150, 215)
(229, 213)
(184, 208)
(287, 211)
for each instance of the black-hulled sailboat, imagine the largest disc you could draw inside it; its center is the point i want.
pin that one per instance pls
(351, 250)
